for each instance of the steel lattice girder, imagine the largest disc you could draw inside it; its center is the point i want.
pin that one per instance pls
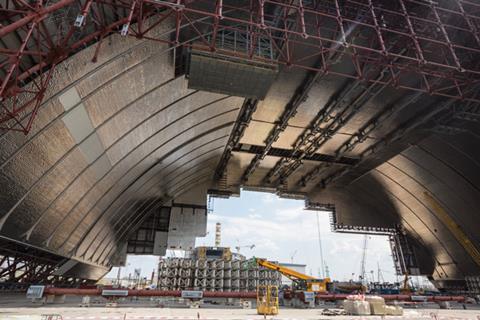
(22, 265)
(425, 46)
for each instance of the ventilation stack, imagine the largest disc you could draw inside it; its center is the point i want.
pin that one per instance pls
(218, 234)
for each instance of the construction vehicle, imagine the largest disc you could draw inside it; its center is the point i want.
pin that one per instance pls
(267, 300)
(302, 282)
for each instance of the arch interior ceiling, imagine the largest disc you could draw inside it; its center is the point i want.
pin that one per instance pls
(133, 113)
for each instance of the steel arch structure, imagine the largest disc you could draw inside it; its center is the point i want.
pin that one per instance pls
(372, 115)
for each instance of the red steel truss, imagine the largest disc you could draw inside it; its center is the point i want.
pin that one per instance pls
(422, 45)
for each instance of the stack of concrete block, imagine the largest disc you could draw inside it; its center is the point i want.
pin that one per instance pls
(356, 307)
(366, 305)
(213, 275)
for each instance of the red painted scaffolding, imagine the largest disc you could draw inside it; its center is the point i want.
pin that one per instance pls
(422, 45)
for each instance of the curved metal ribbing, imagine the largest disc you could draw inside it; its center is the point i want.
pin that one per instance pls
(108, 212)
(160, 140)
(180, 190)
(136, 177)
(70, 152)
(416, 213)
(58, 118)
(190, 183)
(149, 170)
(120, 161)
(126, 200)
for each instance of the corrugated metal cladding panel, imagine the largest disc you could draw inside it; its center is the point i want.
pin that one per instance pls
(151, 237)
(229, 75)
(186, 223)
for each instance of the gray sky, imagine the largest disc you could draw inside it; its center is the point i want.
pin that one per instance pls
(279, 228)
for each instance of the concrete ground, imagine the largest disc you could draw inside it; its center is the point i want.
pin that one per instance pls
(18, 308)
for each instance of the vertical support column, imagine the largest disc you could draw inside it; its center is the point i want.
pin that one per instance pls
(227, 276)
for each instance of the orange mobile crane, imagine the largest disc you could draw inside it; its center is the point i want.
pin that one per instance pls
(302, 281)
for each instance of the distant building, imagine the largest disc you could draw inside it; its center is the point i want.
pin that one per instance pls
(205, 253)
(294, 266)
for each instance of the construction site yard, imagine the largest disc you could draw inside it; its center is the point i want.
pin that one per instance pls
(16, 307)
(93, 313)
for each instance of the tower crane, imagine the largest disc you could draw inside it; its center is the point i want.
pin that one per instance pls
(380, 277)
(293, 255)
(322, 265)
(250, 246)
(363, 275)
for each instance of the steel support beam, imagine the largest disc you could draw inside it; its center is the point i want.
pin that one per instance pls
(243, 120)
(287, 153)
(396, 135)
(350, 100)
(290, 110)
(361, 135)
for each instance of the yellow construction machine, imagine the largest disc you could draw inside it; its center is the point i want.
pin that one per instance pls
(267, 300)
(302, 281)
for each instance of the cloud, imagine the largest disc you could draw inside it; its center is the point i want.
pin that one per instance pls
(289, 214)
(285, 224)
(268, 197)
(345, 247)
(280, 227)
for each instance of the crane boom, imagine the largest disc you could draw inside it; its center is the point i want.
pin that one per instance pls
(289, 273)
(303, 281)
